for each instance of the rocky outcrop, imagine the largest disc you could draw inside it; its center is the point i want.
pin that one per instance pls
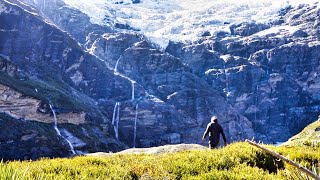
(111, 46)
(247, 28)
(154, 150)
(18, 106)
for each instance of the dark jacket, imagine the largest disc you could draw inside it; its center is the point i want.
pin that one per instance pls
(214, 130)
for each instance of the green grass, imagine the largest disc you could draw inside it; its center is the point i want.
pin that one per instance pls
(236, 161)
(309, 136)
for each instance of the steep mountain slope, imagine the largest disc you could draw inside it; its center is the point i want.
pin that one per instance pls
(40, 66)
(115, 80)
(256, 41)
(47, 66)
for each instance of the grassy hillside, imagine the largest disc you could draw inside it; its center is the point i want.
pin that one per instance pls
(236, 161)
(309, 136)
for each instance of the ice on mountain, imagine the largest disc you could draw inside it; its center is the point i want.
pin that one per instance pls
(182, 20)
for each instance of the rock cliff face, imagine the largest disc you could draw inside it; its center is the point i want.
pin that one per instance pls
(41, 66)
(277, 66)
(109, 90)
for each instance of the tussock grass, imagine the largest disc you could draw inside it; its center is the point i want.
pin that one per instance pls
(236, 161)
(309, 136)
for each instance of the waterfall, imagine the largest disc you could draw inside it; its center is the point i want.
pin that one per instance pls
(256, 103)
(116, 66)
(132, 92)
(55, 125)
(226, 90)
(135, 127)
(211, 45)
(116, 72)
(58, 131)
(116, 119)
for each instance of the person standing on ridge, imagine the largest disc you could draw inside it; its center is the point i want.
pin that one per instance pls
(214, 130)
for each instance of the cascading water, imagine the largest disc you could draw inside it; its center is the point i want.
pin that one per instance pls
(116, 72)
(132, 92)
(226, 90)
(135, 127)
(116, 66)
(55, 125)
(116, 119)
(116, 110)
(58, 131)
(256, 103)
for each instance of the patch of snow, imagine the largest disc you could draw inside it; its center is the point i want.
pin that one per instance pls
(153, 98)
(95, 9)
(214, 72)
(182, 20)
(171, 95)
(277, 30)
(77, 77)
(3, 8)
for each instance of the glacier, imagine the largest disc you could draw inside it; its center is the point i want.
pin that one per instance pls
(182, 20)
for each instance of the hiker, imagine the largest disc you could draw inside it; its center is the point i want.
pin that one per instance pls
(214, 130)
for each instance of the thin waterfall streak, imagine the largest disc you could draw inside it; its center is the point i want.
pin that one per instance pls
(58, 131)
(118, 119)
(135, 127)
(116, 66)
(114, 113)
(55, 125)
(132, 92)
(117, 73)
(71, 146)
(256, 103)
(226, 79)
